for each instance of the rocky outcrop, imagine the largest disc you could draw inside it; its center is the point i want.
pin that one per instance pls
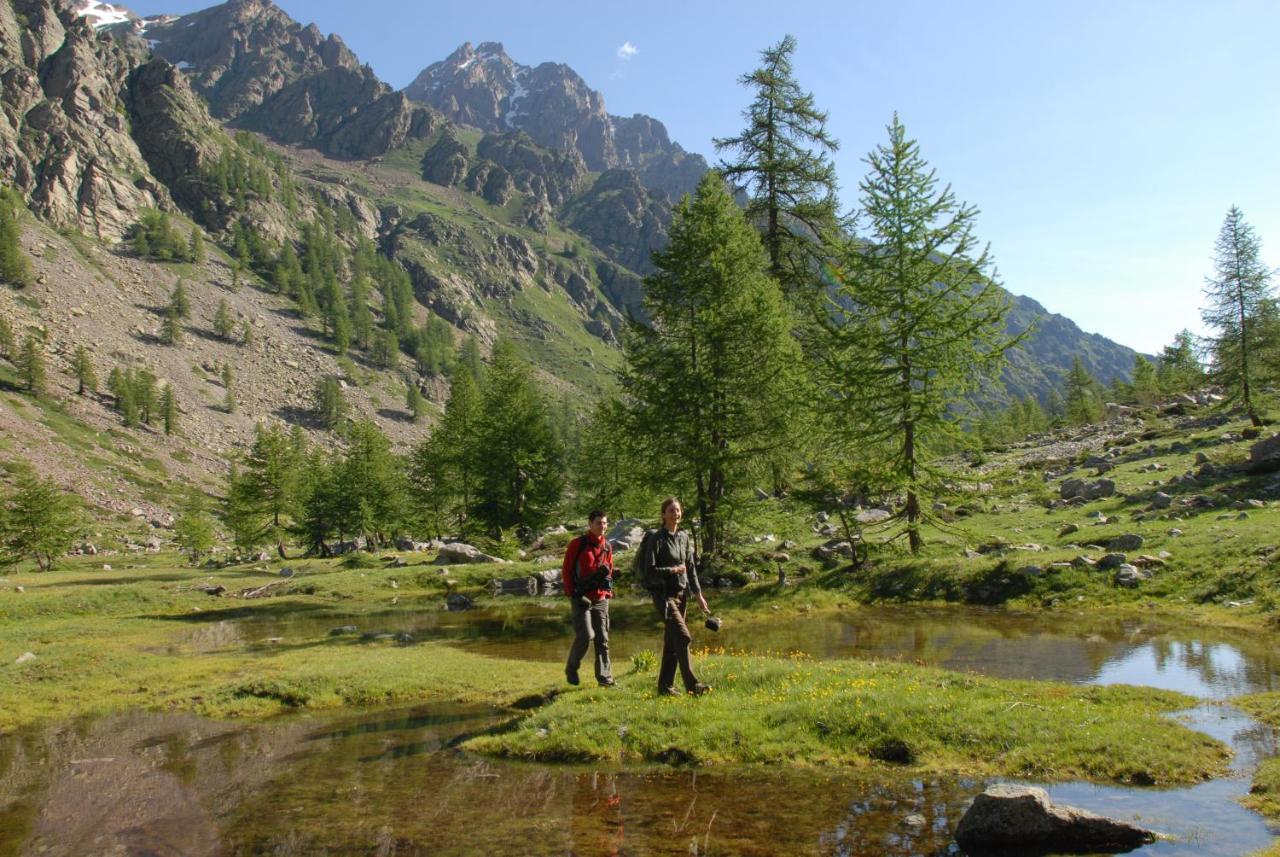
(1011, 817)
(622, 219)
(64, 138)
(174, 132)
(556, 175)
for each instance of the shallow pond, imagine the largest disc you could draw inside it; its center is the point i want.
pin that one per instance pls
(390, 782)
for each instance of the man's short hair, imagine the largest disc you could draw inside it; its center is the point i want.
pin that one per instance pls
(594, 515)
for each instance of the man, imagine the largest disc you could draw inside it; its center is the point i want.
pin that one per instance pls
(588, 582)
(671, 575)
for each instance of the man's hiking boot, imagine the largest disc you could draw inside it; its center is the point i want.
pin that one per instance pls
(571, 676)
(668, 691)
(699, 689)
(608, 683)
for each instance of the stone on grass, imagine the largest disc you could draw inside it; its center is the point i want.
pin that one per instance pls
(1112, 560)
(1068, 529)
(873, 516)
(1012, 817)
(461, 552)
(1130, 576)
(1126, 542)
(1161, 500)
(25, 657)
(1265, 454)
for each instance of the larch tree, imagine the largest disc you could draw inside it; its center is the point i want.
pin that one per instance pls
(1236, 296)
(712, 386)
(782, 161)
(912, 321)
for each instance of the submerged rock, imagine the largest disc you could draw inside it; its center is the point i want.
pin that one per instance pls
(1009, 816)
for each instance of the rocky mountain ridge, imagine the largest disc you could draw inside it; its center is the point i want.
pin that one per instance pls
(484, 88)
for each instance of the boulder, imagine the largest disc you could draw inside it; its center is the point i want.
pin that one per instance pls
(457, 601)
(1161, 500)
(873, 516)
(1126, 542)
(406, 544)
(628, 532)
(1012, 817)
(1130, 576)
(460, 552)
(1068, 529)
(1112, 560)
(1265, 454)
(1079, 489)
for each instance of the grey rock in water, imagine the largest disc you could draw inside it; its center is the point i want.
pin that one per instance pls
(457, 601)
(1007, 817)
(345, 629)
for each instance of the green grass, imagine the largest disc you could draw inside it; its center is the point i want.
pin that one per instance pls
(798, 712)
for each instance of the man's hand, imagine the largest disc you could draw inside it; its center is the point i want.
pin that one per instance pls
(702, 602)
(678, 569)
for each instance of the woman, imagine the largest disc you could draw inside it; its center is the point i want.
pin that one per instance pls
(669, 556)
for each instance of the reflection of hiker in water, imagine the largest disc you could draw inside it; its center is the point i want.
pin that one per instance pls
(670, 574)
(588, 581)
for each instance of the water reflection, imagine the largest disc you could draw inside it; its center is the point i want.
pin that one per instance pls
(389, 784)
(1057, 646)
(394, 782)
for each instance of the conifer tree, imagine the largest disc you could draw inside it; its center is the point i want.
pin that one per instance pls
(223, 323)
(195, 246)
(443, 468)
(235, 276)
(414, 402)
(1146, 385)
(518, 459)
(82, 366)
(1082, 405)
(6, 338)
(229, 392)
(1178, 369)
(169, 409)
(371, 503)
(914, 321)
(171, 327)
(194, 528)
(246, 333)
(31, 366)
(719, 354)
(37, 520)
(15, 268)
(783, 160)
(361, 317)
(179, 303)
(264, 493)
(469, 358)
(1235, 296)
(328, 403)
(386, 349)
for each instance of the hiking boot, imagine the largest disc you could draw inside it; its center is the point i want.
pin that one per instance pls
(699, 689)
(608, 682)
(571, 676)
(668, 691)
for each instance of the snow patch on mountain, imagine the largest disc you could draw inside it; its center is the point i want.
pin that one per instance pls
(101, 14)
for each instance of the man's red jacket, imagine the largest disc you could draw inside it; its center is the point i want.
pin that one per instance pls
(585, 555)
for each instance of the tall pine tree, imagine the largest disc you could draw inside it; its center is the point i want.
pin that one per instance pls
(913, 322)
(1235, 297)
(782, 160)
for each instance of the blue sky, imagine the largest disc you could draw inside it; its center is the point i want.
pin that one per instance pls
(1102, 141)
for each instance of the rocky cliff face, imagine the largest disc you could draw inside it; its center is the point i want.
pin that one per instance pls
(622, 219)
(261, 70)
(64, 135)
(484, 88)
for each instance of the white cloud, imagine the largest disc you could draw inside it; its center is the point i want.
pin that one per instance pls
(627, 51)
